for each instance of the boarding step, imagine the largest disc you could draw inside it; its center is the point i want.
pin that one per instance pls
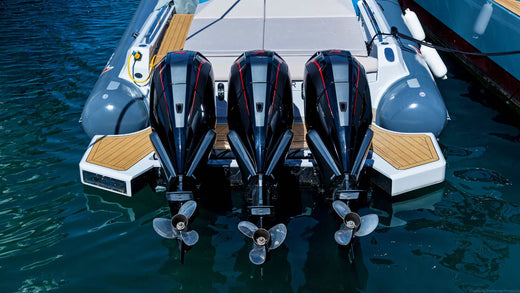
(119, 163)
(406, 161)
(298, 142)
(403, 162)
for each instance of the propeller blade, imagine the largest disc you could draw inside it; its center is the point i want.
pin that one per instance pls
(341, 208)
(278, 234)
(368, 225)
(188, 208)
(247, 228)
(258, 254)
(343, 236)
(164, 228)
(190, 238)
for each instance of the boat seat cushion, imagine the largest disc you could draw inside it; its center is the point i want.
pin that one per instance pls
(244, 24)
(222, 65)
(293, 30)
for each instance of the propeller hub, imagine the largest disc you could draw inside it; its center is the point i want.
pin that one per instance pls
(352, 221)
(261, 237)
(261, 240)
(179, 222)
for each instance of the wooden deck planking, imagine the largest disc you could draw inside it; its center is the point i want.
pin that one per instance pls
(221, 142)
(395, 148)
(423, 150)
(298, 142)
(121, 152)
(400, 148)
(511, 5)
(123, 144)
(175, 35)
(393, 151)
(130, 152)
(403, 151)
(420, 142)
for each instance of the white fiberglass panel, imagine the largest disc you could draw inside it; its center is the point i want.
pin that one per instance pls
(240, 30)
(295, 28)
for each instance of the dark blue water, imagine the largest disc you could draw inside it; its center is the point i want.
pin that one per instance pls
(461, 236)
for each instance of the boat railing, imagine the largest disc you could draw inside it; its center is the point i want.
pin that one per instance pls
(159, 19)
(140, 58)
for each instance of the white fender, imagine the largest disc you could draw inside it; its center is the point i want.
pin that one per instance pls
(434, 61)
(483, 18)
(413, 24)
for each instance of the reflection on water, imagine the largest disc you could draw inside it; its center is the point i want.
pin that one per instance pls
(478, 181)
(298, 244)
(121, 209)
(122, 214)
(227, 243)
(392, 208)
(481, 229)
(481, 175)
(460, 153)
(27, 230)
(41, 263)
(36, 285)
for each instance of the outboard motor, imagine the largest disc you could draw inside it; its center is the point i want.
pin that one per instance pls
(260, 117)
(338, 114)
(182, 117)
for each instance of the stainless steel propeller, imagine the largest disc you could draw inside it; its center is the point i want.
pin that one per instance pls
(263, 240)
(177, 227)
(353, 224)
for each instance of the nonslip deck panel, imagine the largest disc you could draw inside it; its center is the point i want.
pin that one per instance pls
(121, 152)
(511, 5)
(298, 141)
(221, 142)
(404, 150)
(175, 35)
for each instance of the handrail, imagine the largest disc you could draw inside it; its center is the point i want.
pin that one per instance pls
(373, 20)
(160, 18)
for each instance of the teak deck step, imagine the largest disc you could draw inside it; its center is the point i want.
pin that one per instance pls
(121, 152)
(298, 142)
(403, 151)
(221, 142)
(175, 35)
(511, 5)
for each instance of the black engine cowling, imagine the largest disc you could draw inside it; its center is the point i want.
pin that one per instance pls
(260, 117)
(182, 115)
(338, 114)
